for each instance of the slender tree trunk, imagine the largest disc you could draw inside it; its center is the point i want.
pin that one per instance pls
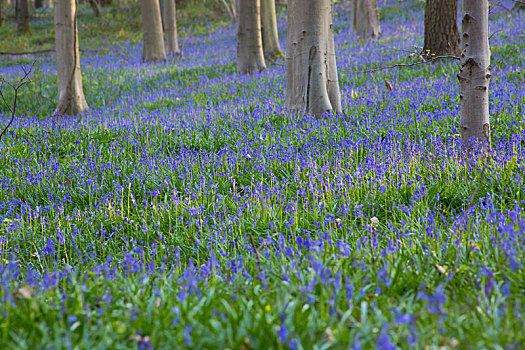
(1, 13)
(48, 4)
(270, 36)
(95, 5)
(365, 18)
(71, 95)
(474, 73)
(230, 7)
(250, 56)
(312, 86)
(169, 22)
(153, 49)
(39, 4)
(23, 17)
(441, 28)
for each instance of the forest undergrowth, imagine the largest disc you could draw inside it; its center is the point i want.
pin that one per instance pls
(187, 208)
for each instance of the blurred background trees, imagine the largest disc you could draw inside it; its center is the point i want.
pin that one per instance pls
(312, 81)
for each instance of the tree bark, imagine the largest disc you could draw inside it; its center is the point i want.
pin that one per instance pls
(250, 56)
(270, 36)
(1, 13)
(311, 73)
(441, 28)
(169, 22)
(48, 3)
(71, 95)
(153, 49)
(365, 18)
(474, 75)
(23, 17)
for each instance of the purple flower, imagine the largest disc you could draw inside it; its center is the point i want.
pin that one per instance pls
(383, 341)
(187, 335)
(283, 334)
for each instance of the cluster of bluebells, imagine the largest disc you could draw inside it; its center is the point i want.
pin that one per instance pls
(208, 181)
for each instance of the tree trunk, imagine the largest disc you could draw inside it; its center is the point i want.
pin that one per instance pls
(365, 18)
(311, 72)
(23, 17)
(474, 73)
(39, 4)
(1, 13)
(153, 49)
(250, 56)
(95, 5)
(270, 36)
(169, 22)
(71, 95)
(48, 4)
(441, 28)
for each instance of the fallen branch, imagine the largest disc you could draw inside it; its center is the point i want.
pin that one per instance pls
(407, 64)
(36, 52)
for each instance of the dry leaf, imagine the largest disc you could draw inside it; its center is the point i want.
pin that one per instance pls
(25, 292)
(329, 335)
(442, 270)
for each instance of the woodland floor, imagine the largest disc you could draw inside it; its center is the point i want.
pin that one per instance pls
(187, 208)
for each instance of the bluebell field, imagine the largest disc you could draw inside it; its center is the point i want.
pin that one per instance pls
(188, 209)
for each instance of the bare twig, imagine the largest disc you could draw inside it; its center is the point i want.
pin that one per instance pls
(21, 82)
(407, 64)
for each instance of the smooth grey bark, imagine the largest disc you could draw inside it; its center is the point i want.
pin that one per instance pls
(311, 73)
(71, 100)
(23, 17)
(169, 22)
(441, 28)
(250, 56)
(270, 36)
(474, 75)
(153, 49)
(365, 18)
